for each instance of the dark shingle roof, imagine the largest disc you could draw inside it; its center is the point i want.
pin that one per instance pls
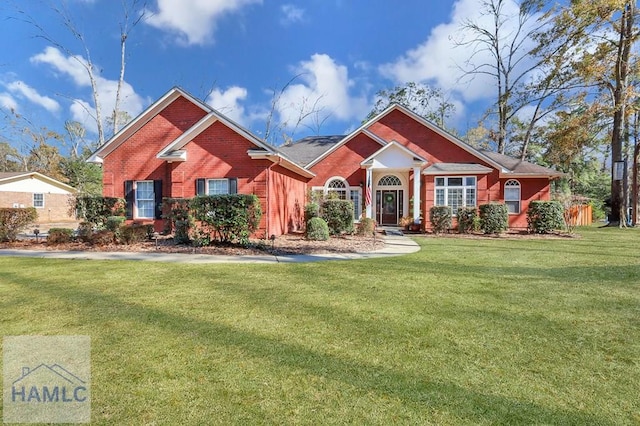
(517, 166)
(305, 150)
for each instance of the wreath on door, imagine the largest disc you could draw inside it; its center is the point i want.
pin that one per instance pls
(389, 198)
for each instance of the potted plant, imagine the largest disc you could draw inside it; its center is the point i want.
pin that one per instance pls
(406, 222)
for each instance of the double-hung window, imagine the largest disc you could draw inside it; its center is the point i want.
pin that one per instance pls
(145, 199)
(512, 196)
(217, 186)
(455, 192)
(38, 200)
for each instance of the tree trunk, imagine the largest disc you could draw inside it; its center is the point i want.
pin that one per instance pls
(620, 103)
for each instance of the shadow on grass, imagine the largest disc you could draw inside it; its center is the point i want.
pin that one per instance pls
(416, 391)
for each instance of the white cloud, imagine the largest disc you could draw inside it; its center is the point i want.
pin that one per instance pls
(292, 14)
(81, 110)
(324, 87)
(32, 95)
(439, 60)
(193, 21)
(228, 103)
(8, 102)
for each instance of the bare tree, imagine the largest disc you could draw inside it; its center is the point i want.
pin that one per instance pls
(507, 43)
(133, 13)
(309, 113)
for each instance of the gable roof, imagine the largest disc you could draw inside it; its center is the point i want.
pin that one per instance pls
(7, 177)
(515, 167)
(416, 158)
(305, 149)
(145, 116)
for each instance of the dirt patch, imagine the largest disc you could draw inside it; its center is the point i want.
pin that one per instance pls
(283, 245)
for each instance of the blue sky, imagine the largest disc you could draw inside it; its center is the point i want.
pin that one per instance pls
(235, 53)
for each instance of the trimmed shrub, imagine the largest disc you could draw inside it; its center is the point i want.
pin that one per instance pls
(468, 220)
(178, 217)
(14, 220)
(113, 224)
(440, 217)
(103, 238)
(96, 210)
(317, 229)
(59, 236)
(311, 210)
(367, 226)
(545, 216)
(85, 232)
(227, 218)
(339, 216)
(494, 218)
(135, 233)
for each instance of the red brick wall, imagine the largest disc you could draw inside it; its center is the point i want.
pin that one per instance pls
(288, 197)
(136, 158)
(345, 162)
(218, 152)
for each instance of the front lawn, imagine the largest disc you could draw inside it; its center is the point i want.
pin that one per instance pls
(467, 331)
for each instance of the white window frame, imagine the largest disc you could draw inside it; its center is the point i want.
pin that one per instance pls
(466, 187)
(512, 200)
(348, 192)
(38, 204)
(137, 200)
(209, 186)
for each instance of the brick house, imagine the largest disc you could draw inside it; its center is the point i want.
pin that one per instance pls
(396, 164)
(50, 197)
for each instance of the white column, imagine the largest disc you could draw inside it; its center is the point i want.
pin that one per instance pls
(368, 186)
(416, 194)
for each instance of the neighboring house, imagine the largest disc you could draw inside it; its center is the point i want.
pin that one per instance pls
(50, 197)
(396, 164)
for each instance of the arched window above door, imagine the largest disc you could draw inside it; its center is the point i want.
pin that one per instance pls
(389, 180)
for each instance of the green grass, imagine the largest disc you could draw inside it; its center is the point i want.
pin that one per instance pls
(485, 331)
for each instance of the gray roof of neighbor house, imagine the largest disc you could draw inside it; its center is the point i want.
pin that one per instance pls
(305, 150)
(517, 166)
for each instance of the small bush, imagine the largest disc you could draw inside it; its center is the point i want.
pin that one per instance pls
(178, 217)
(545, 216)
(227, 218)
(103, 238)
(367, 226)
(440, 217)
(114, 223)
(494, 218)
(135, 233)
(317, 229)
(468, 220)
(59, 236)
(85, 232)
(338, 214)
(311, 210)
(96, 209)
(14, 220)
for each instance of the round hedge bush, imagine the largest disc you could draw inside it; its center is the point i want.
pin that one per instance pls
(317, 229)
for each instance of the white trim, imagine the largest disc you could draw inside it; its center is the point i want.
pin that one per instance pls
(143, 118)
(519, 200)
(33, 200)
(39, 176)
(346, 139)
(409, 153)
(136, 214)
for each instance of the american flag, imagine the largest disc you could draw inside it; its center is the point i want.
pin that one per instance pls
(367, 191)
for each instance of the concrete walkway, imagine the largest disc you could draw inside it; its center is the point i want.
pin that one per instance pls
(394, 245)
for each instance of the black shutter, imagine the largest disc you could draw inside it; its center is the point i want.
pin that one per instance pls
(129, 198)
(157, 192)
(200, 187)
(233, 185)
